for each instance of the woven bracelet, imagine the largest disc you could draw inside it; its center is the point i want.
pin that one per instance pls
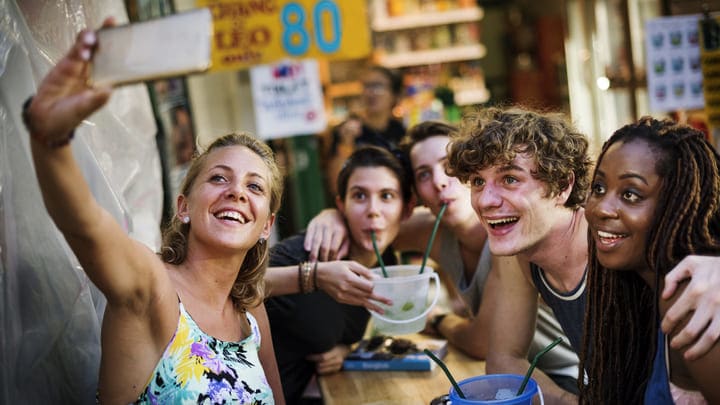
(307, 280)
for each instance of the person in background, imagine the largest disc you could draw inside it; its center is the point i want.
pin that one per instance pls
(529, 175)
(382, 89)
(184, 325)
(654, 199)
(460, 249)
(312, 332)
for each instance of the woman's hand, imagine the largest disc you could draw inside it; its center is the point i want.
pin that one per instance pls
(326, 237)
(64, 97)
(350, 283)
(349, 130)
(330, 361)
(701, 298)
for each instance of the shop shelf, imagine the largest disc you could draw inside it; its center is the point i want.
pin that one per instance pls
(431, 56)
(345, 89)
(459, 15)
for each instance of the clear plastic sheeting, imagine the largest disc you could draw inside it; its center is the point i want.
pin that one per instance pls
(50, 313)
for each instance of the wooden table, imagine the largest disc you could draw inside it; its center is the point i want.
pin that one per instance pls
(397, 387)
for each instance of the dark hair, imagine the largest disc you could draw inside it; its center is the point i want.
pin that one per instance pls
(423, 131)
(248, 288)
(495, 136)
(621, 317)
(373, 156)
(396, 83)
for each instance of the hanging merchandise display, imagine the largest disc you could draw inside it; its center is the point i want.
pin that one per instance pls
(436, 46)
(673, 57)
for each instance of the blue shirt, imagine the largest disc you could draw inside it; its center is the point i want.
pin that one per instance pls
(657, 391)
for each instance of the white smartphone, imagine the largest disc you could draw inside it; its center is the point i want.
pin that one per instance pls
(170, 46)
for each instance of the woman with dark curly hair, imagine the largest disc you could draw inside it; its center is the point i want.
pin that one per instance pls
(654, 199)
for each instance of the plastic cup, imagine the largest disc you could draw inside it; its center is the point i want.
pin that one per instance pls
(484, 389)
(409, 291)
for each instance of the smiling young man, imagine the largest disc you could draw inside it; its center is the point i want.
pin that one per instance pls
(529, 176)
(463, 255)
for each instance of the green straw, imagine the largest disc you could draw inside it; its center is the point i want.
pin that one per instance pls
(377, 253)
(447, 372)
(432, 237)
(534, 363)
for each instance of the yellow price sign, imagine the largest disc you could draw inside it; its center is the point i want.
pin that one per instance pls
(251, 32)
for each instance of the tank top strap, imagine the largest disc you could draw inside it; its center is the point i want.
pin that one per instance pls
(254, 328)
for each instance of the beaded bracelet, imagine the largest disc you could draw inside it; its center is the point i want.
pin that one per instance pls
(50, 143)
(300, 280)
(315, 275)
(305, 278)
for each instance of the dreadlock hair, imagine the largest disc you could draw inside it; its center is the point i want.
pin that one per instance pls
(621, 317)
(494, 136)
(248, 289)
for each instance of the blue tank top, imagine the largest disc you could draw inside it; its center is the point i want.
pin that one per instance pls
(569, 308)
(657, 391)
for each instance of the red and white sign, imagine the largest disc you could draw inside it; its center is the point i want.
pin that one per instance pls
(288, 99)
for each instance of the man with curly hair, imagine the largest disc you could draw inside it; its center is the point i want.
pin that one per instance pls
(529, 175)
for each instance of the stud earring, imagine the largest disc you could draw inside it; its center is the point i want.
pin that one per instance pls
(262, 241)
(186, 220)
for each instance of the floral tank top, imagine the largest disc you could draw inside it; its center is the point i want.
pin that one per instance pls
(198, 368)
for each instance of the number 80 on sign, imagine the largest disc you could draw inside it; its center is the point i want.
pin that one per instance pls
(326, 19)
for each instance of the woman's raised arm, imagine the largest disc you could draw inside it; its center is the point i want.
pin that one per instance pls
(119, 266)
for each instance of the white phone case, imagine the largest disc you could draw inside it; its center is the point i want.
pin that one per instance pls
(175, 45)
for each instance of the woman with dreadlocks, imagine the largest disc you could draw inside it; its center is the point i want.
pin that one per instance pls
(655, 198)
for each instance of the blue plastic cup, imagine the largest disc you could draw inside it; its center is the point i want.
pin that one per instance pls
(483, 389)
